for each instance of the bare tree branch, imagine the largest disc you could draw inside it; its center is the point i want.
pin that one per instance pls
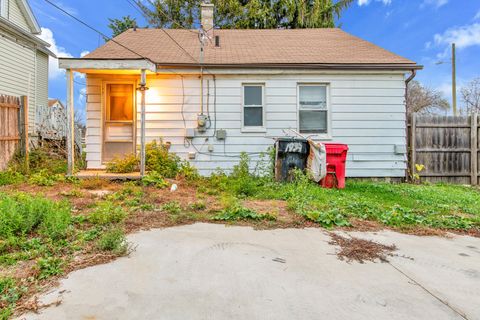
(471, 96)
(425, 100)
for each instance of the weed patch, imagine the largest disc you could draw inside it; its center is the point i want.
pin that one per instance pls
(21, 214)
(172, 207)
(155, 179)
(113, 240)
(50, 266)
(106, 213)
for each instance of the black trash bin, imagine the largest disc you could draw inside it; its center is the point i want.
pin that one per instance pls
(291, 153)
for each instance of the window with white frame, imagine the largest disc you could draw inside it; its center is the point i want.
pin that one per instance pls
(253, 106)
(313, 108)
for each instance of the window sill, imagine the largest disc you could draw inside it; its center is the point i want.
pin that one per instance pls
(253, 130)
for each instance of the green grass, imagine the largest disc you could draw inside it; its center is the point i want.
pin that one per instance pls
(396, 205)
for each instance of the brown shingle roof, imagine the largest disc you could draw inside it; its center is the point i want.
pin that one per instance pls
(252, 46)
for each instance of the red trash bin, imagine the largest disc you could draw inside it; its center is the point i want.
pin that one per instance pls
(336, 158)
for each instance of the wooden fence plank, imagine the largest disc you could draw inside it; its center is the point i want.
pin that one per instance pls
(9, 135)
(447, 146)
(413, 133)
(474, 151)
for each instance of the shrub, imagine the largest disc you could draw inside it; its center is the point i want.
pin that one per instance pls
(126, 164)
(21, 214)
(113, 240)
(153, 178)
(159, 159)
(10, 176)
(48, 267)
(48, 157)
(188, 172)
(107, 213)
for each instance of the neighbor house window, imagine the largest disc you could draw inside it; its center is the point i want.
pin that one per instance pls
(313, 108)
(119, 102)
(4, 8)
(253, 106)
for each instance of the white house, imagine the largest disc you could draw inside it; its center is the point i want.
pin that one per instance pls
(242, 91)
(23, 57)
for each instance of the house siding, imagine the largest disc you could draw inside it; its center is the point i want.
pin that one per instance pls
(367, 113)
(18, 69)
(16, 16)
(42, 79)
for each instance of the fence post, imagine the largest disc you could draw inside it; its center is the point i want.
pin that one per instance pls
(413, 126)
(474, 149)
(24, 130)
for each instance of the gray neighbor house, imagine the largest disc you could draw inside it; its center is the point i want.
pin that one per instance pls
(23, 58)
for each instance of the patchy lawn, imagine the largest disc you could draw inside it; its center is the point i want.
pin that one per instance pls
(50, 225)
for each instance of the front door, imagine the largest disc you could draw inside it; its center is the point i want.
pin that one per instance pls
(119, 120)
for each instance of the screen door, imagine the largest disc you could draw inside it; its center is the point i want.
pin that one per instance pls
(119, 121)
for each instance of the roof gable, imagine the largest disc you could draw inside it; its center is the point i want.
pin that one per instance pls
(27, 15)
(248, 47)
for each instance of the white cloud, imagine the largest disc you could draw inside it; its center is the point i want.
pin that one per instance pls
(82, 95)
(436, 3)
(53, 70)
(367, 2)
(477, 16)
(463, 37)
(84, 53)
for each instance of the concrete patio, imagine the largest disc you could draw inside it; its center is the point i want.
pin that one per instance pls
(207, 271)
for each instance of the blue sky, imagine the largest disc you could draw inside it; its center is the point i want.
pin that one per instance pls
(421, 30)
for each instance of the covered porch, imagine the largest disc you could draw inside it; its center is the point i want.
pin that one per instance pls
(112, 138)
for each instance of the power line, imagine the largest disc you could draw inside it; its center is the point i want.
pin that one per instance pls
(96, 30)
(135, 7)
(171, 38)
(165, 15)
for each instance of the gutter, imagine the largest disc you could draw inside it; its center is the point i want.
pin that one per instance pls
(324, 66)
(409, 158)
(10, 27)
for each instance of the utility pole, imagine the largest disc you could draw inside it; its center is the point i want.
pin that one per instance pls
(454, 82)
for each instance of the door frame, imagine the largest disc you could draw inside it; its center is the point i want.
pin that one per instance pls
(133, 82)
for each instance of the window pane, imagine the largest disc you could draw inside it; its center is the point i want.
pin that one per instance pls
(313, 121)
(120, 102)
(313, 97)
(253, 95)
(253, 116)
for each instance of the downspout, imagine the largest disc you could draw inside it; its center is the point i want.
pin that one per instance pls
(409, 157)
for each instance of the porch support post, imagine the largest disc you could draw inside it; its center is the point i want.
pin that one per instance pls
(143, 88)
(70, 124)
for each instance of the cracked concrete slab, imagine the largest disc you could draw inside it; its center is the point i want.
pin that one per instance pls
(210, 271)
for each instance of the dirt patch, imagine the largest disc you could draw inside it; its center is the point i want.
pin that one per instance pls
(360, 250)
(277, 208)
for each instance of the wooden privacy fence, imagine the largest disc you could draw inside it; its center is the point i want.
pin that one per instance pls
(13, 127)
(447, 146)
